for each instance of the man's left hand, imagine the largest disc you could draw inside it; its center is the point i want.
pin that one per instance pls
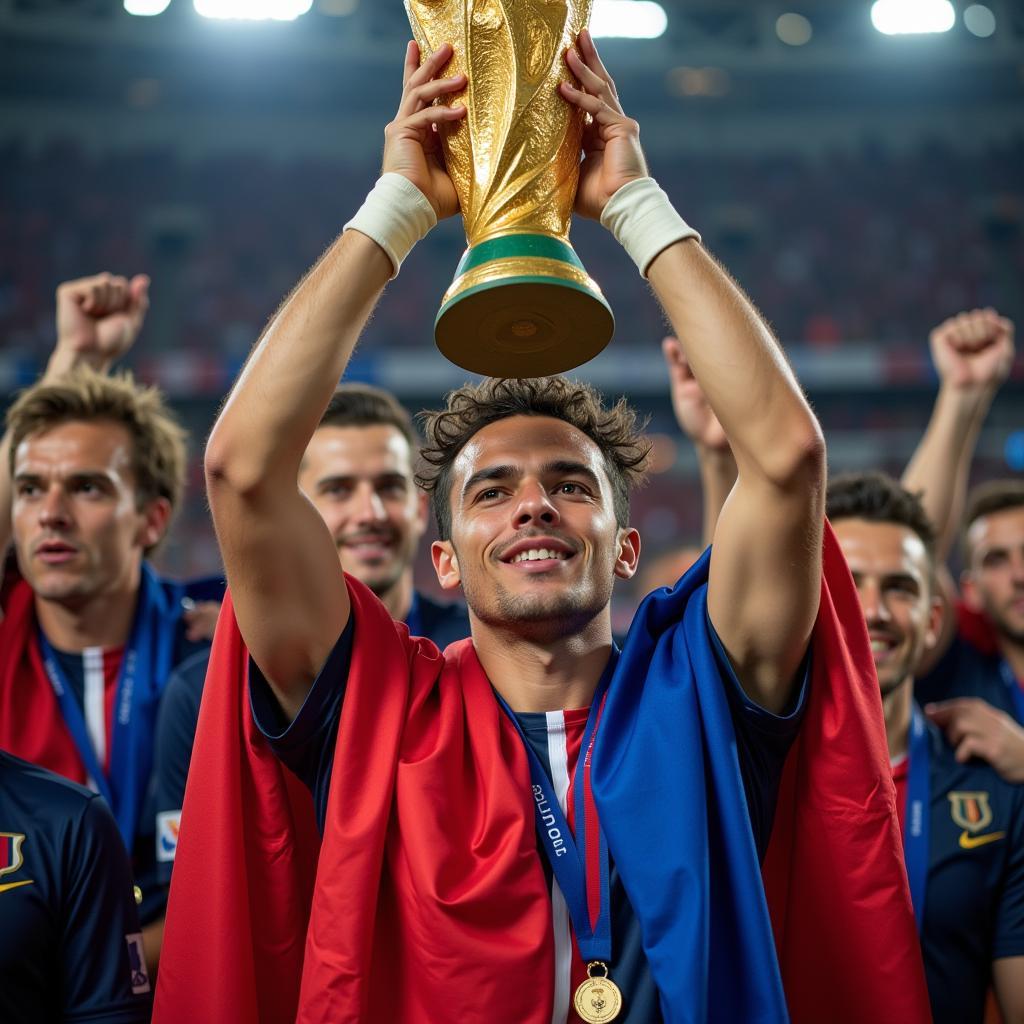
(976, 729)
(611, 141)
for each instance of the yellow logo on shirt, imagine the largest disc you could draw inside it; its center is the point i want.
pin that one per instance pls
(969, 842)
(15, 885)
(971, 811)
(11, 858)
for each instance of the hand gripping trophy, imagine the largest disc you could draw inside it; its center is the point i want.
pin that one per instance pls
(521, 303)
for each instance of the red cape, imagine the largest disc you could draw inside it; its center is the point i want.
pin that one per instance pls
(31, 724)
(834, 872)
(430, 900)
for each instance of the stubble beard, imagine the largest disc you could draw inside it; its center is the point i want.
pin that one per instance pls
(543, 618)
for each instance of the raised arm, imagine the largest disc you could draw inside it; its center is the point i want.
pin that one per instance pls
(98, 320)
(281, 563)
(699, 423)
(766, 564)
(973, 353)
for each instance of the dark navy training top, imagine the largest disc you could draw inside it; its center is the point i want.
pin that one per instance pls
(70, 946)
(974, 895)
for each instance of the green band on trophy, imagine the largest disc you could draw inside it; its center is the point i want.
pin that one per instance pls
(517, 245)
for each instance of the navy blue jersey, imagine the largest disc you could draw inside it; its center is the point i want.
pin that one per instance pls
(307, 745)
(70, 946)
(974, 895)
(179, 714)
(964, 671)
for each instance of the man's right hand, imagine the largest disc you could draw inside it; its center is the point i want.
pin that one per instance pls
(412, 146)
(693, 413)
(973, 351)
(98, 320)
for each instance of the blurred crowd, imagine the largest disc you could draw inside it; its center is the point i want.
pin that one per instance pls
(867, 245)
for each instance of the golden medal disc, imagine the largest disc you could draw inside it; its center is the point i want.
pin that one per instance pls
(598, 998)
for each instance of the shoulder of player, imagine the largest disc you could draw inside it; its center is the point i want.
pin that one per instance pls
(438, 610)
(189, 675)
(53, 795)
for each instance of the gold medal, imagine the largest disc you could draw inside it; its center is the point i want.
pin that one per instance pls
(137, 892)
(598, 998)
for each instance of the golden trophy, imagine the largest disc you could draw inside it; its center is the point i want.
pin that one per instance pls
(521, 303)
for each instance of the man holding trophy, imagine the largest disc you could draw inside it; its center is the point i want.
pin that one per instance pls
(533, 826)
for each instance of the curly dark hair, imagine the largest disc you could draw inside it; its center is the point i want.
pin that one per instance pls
(878, 498)
(616, 431)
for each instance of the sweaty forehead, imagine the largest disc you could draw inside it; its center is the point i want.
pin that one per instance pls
(881, 548)
(526, 442)
(74, 448)
(357, 451)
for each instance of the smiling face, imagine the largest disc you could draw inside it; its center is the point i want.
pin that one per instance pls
(994, 581)
(534, 541)
(361, 481)
(78, 528)
(892, 573)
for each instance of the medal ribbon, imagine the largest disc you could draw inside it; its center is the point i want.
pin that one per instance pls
(1016, 693)
(144, 670)
(583, 876)
(918, 813)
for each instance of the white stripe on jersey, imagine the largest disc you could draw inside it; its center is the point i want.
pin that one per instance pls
(95, 704)
(559, 759)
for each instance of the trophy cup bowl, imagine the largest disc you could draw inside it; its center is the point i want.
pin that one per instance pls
(521, 303)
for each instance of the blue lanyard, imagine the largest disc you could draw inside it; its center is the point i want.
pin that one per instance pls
(917, 821)
(568, 861)
(144, 668)
(1016, 693)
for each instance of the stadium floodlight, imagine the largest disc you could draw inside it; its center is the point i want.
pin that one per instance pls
(253, 10)
(146, 8)
(912, 17)
(627, 19)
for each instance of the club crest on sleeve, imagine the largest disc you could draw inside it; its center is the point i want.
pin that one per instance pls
(137, 963)
(970, 811)
(11, 857)
(167, 825)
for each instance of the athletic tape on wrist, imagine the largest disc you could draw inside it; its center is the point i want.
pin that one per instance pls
(644, 221)
(396, 215)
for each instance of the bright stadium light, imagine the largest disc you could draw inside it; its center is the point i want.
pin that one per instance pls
(912, 17)
(627, 19)
(253, 10)
(146, 8)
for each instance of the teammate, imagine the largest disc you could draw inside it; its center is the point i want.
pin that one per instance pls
(90, 634)
(70, 947)
(963, 825)
(358, 473)
(431, 771)
(977, 666)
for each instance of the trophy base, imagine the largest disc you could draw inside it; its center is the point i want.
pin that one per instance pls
(522, 306)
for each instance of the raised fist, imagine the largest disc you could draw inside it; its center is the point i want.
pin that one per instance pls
(973, 350)
(99, 317)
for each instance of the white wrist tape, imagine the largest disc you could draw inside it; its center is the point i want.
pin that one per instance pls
(644, 221)
(396, 215)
